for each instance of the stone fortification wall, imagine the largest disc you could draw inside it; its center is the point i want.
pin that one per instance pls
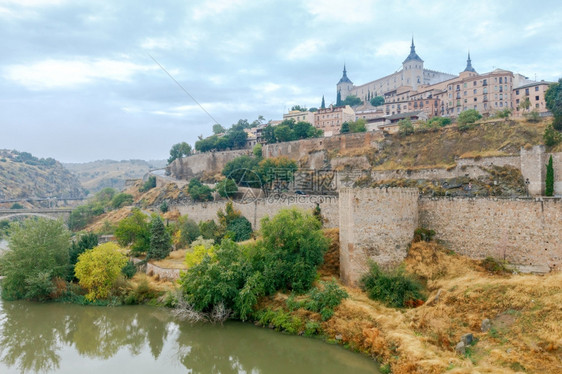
(312, 152)
(195, 165)
(525, 232)
(375, 224)
(267, 207)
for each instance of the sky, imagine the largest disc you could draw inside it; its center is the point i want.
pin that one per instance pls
(85, 80)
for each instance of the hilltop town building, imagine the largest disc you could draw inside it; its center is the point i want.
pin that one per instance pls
(332, 118)
(415, 89)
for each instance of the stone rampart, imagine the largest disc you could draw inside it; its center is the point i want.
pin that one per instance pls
(267, 207)
(195, 165)
(525, 232)
(375, 224)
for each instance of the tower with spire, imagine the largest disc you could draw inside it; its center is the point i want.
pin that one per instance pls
(344, 86)
(469, 65)
(412, 68)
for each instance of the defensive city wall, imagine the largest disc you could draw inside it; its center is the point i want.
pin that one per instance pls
(378, 224)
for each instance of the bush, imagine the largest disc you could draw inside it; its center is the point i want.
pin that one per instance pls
(149, 184)
(121, 199)
(227, 188)
(495, 266)
(421, 234)
(239, 229)
(189, 231)
(134, 231)
(405, 127)
(98, 268)
(321, 300)
(293, 246)
(395, 288)
(198, 191)
(129, 270)
(38, 252)
(549, 182)
(468, 116)
(551, 136)
(198, 252)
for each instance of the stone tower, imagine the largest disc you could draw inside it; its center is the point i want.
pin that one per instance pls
(412, 69)
(344, 86)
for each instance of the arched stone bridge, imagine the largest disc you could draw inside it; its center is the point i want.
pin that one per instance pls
(54, 213)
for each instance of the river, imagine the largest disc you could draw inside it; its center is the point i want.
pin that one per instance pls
(66, 338)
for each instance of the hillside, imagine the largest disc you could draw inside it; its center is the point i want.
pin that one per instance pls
(25, 176)
(96, 175)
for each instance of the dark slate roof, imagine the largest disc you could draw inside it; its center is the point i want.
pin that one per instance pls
(413, 55)
(469, 65)
(344, 78)
(404, 115)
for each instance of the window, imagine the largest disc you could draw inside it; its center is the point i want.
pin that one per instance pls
(475, 99)
(474, 83)
(464, 93)
(536, 88)
(475, 92)
(537, 98)
(501, 80)
(464, 85)
(526, 91)
(536, 105)
(517, 101)
(517, 92)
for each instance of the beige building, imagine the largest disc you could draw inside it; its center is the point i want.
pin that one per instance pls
(332, 118)
(299, 116)
(535, 92)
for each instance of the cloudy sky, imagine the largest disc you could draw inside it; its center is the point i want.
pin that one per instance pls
(78, 83)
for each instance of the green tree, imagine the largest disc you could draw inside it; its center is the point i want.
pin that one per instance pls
(503, 113)
(160, 241)
(16, 206)
(284, 133)
(294, 246)
(377, 101)
(549, 186)
(227, 188)
(37, 253)
(468, 116)
(77, 247)
(358, 126)
(440, 121)
(525, 103)
(238, 138)
(149, 184)
(533, 116)
(299, 108)
(276, 171)
(121, 199)
(243, 170)
(405, 127)
(189, 231)
(98, 269)
(218, 129)
(134, 231)
(198, 191)
(179, 150)
(257, 150)
(323, 104)
(551, 136)
(338, 99)
(553, 98)
(345, 128)
(352, 100)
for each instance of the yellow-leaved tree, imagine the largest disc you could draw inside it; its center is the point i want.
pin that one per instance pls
(98, 268)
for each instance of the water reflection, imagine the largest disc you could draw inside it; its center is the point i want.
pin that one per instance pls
(62, 338)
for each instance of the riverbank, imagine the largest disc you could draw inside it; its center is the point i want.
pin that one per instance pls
(513, 319)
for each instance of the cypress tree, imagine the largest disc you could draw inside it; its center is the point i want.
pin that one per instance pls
(323, 105)
(549, 189)
(160, 241)
(338, 99)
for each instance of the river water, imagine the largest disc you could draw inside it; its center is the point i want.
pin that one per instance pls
(64, 338)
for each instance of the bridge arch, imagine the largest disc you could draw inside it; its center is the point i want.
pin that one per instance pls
(24, 214)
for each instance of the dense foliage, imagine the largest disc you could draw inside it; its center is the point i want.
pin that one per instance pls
(352, 100)
(405, 127)
(394, 288)
(468, 117)
(377, 101)
(553, 98)
(290, 130)
(235, 277)
(98, 269)
(322, 299)
(78, 246)
(198, 191)
(134, 231)
(179, 150)
(149, 184)
(37, 255)
(85, 214)
(551, 136)
(121, 199)
(355, 126)
(226, 187)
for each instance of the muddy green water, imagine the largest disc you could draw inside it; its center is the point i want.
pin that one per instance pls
(63, 338)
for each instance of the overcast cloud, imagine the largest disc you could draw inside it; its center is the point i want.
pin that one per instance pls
(78, 82)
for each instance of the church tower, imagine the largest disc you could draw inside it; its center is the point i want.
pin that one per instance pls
(412, 69)
(469, 70)
(344, 87)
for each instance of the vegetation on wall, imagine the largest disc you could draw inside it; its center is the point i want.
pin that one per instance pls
(553, 98)
(549, 183)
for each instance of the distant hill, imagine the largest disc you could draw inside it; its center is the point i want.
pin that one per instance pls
(24, 176)
(96, 175)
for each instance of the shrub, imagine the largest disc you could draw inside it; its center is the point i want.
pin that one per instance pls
(189, 231)
(227, 188)
(405, 127)
(293, 247)
(129, 270)
(239, 229)
(149, 184)
(198, 191)
(323, 299)
(421, 234)
(533, 116)
(134, 231)
(198, 252)
(495, 266)
(37, 253)
(394, 288)
(121, 199)
(468, 116)
(98, 268)
(551, 136)
(164, 207)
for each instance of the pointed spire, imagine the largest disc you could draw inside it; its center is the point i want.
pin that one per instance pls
(344, 78)
(469, 64)
(413, 55)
